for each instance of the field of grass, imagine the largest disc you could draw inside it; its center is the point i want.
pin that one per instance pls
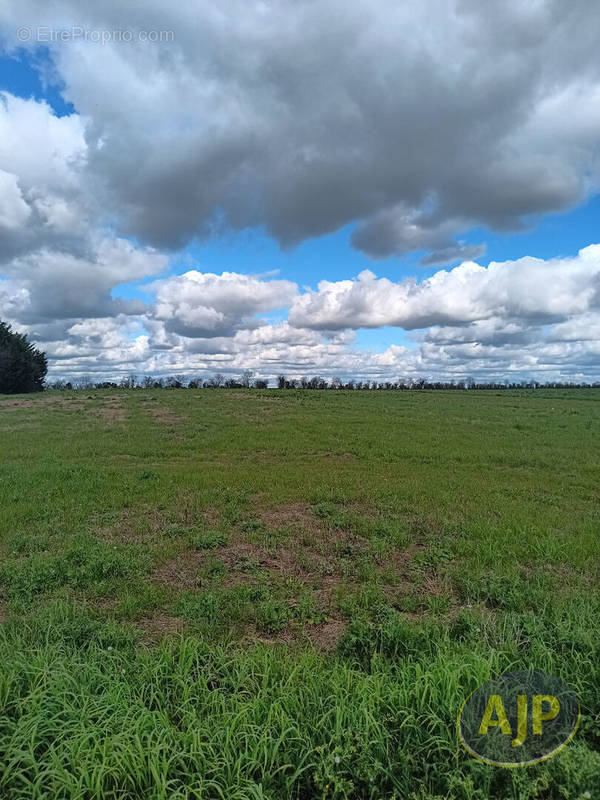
(289, 594)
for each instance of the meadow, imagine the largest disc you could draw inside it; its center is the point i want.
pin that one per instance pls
(288, 594)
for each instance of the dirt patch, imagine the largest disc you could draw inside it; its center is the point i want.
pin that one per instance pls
(40, 401)
(182, 572)
(15, 403)
(287, 636)
(111, 414)
(324, 637)
(159, 627)
(165, 416)
(315, 557)
(211, 516)
(292, 515)
(327, 635)
(112, 411)
(134, 526)
(400, 560)
(241, 560)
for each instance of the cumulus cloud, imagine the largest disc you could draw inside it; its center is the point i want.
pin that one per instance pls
(13, 208)
(55, 285)
(414, 120)
(525, 318)
(43, 199)
(200, 304)
(528, 288)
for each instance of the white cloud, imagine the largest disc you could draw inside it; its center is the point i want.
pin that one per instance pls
(60, 285)
(528, 288)
(14, 211)
(204, 304)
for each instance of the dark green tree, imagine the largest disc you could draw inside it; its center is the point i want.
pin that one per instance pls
(22, 367)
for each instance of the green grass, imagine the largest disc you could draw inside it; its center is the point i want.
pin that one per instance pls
(264, 594)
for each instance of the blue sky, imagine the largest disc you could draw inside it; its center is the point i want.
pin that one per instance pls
(139, 167)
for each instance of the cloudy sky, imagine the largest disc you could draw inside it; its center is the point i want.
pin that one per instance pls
(369, 188)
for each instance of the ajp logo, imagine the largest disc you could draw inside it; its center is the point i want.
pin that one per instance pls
(518, 718)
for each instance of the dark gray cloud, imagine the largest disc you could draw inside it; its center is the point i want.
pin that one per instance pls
(416, 120)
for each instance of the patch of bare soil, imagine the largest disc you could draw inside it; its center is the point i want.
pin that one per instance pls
(292, 515)
(326, 635)
(287, 636)
(112, 411)
(182, 572)
(165, 416)
(159, 627)
(12, 403)
(40, 401)
(315, 556)
(211, 516)
(134, 526)
(111, 414)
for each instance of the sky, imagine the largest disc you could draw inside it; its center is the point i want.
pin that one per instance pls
(374, 189)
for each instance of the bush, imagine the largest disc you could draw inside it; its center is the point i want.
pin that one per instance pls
(22, 367)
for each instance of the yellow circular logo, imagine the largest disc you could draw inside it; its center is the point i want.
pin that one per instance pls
(518, 718)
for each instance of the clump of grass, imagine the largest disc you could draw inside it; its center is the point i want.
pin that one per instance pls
(83, 563)
(272, 616)
(207, 540)
(432, 558)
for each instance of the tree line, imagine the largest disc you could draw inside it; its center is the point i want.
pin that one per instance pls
(247, 381)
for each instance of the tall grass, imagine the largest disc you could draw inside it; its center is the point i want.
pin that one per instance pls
(85, 713)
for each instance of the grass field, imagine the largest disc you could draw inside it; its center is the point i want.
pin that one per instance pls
(264, 594)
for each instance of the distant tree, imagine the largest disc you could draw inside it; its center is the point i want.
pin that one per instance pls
(84, 382)
(22, 367)
(281, 382)
(261, 384)
(246, 379)
(130, 382)
(216, 381)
